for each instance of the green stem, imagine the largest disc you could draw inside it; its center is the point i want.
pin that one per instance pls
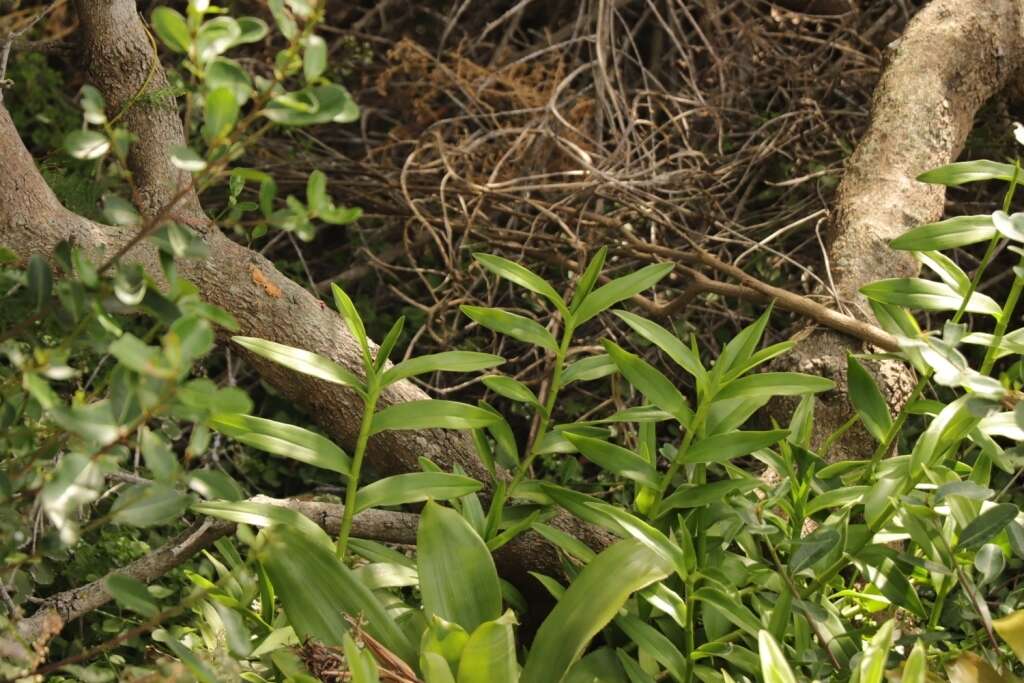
(991, 249)
(549, 407)
(372, 393)
(1004, 321)
(677, 462)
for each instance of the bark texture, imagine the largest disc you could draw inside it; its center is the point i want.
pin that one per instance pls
(954, 55)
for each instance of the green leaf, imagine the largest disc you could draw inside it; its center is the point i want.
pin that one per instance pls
(215, 37)
(1010, 227)
(723, 447)
(588, 369)
(143, 505)
(314, 58)
(967, 172)
(435, 669)
(679, 352)
(264, 515)
(774, 667)
(522, 276)
(589, 277)
(511, 389)
(187, 159)
(317, 590)
(986, 525)
(221, 115)
(159, 457)
(616, 459)
(194, 665)
(306, 362)
(658, 389)
(414, 487)
(490, 653)
(648, 535)
(430, 413)
(813, 547)
(512, 325)
(650, 640)
(690, 496)
(734, 610)
(131, 594)
(171, 28)
(446, 361)
(948, 234)
(915, 669)
(891, 581)
(40, 281)
(603, 298)
(589, 604)
(926, 295)
(283, 439)
(331, 104)
(872, 664)
(868, 400)
(451, 558)
(769, 384)
(316, 191)
(352, 319)
(362, 667)
(252, 30)
(86, 144)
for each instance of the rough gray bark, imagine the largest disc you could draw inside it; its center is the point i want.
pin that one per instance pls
(953, 56)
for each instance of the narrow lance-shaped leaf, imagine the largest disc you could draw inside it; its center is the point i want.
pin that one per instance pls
(283, 439)
(603, 298)
(522, 276)
(654, 385)
(428, 414)
(306, 362)
(768, 384)
(724, 447)
(446, 361)
(616, 459)
(512, 325)
(667, 342)
(948, 234)
(926, 295)
(414, 487)
(967, 172)
(868, 400)
(589, 604)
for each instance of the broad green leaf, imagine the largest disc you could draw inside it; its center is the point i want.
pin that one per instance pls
(926, 295)
(734, 610)
(281, 438)
(160, 458)
(171, 29)
(813, 547)
(431, 413)
(187, 159)
(221, 115)
(673, 347)
(143, 505)
(588, 369)
(253, 29)
(40, 281)
(616, 459)
(458, 580)
(490, 653)
(131, 594)
(986, 525)
(948, 234)
(511, 389)
(915, 669)
(215, 37)
(316, 191)
(435, 669)
(774, 667)
(868, 400)
(352, 319)
(603, 298)
(86, 144)
(512, 325)
(414, 487)
(967, 172)
(522, 276)
(723, 447)
(769, 384)
(314, 58)
(589, 604)
(446, 361)
(659, 647)
(444, 639)
(658, 389)
(317, 590)
(333, 104)
(306, 362)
